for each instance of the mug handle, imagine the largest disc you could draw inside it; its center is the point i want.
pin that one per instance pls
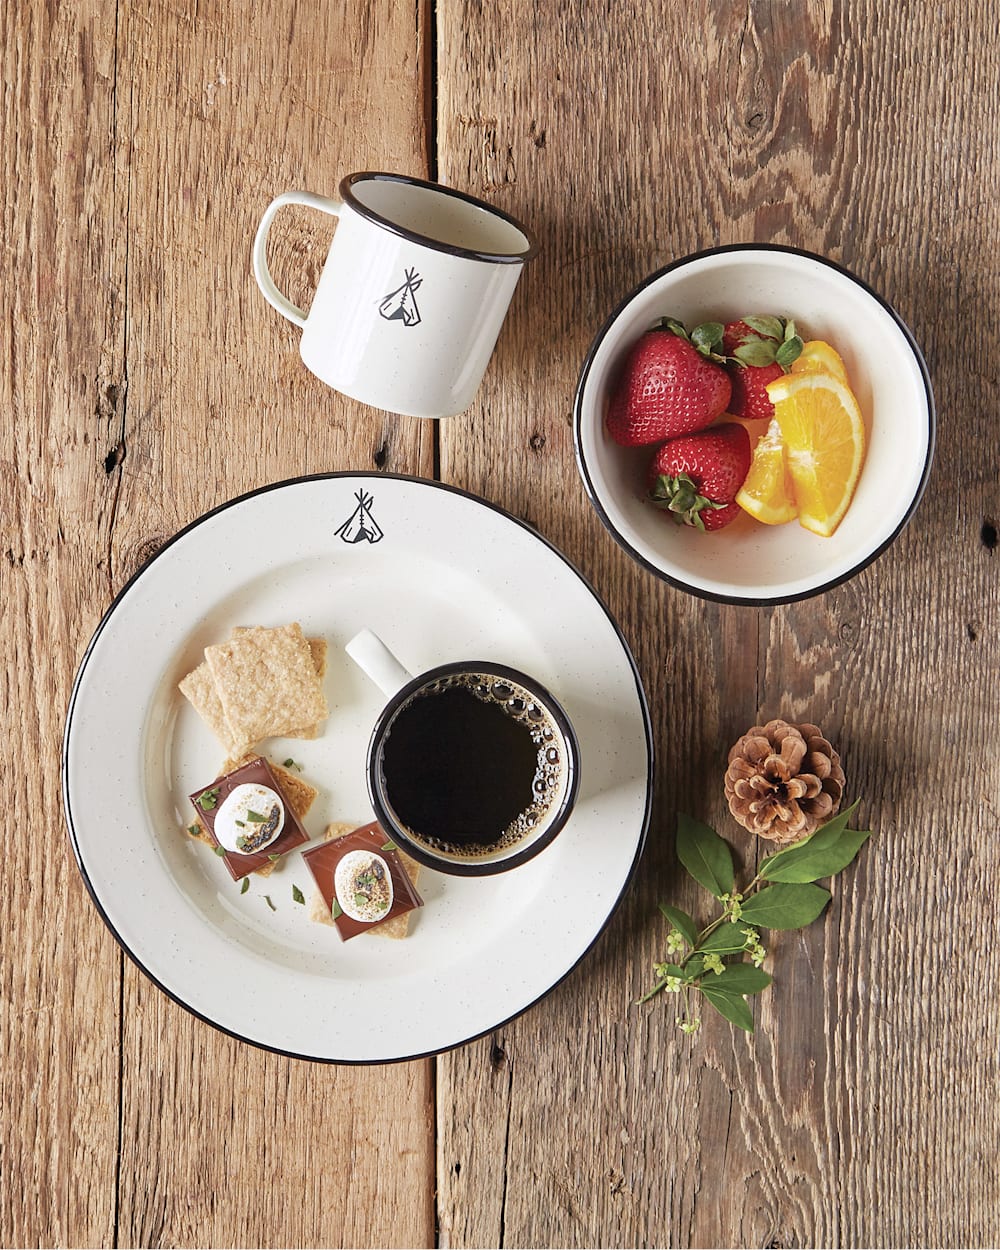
(370, 653)
(260, 270)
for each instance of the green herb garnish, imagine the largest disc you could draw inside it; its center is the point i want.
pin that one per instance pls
(219, 850)
(290, 763)
(245, 886)
(782, 895)
(361, 899)
(194, 830)
(297, 895)
(208, 799)
(336, 911)
(274, 857)
(267, 900)
(389, 846)
(242, 842)
(256, 818)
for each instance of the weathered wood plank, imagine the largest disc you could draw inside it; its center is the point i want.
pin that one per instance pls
(62, 216)
(219, 111)
(628, 139)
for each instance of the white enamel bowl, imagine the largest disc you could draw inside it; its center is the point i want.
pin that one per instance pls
(748, 562)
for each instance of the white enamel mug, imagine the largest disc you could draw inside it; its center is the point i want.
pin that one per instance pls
(414, 291)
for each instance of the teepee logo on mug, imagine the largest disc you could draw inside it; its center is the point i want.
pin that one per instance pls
(401, 304)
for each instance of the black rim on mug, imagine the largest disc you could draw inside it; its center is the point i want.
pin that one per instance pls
(485, 866)
(349, 195)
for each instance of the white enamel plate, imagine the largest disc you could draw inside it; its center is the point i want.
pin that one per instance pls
(439, 575)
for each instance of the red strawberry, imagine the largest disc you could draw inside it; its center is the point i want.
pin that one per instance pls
(749, 398)
(696, 477)
(760, 349)
(671, 384)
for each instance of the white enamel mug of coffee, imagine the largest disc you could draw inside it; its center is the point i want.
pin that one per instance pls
(414, 291)
(460, 782)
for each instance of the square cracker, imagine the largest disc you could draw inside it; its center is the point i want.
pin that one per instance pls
(398, 926)
(267, 683)
(198, 687)
(200, 690)
(300, 795)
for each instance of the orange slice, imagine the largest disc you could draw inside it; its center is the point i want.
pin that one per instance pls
(819, 357)
(767, 493)
(824, 437)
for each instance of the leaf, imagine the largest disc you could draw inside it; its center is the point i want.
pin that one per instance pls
(267, 900)
(726, 940)
(682, 922)
(785, 906)
(770, 327)
(389, 846)
(734, 1007)
(789, 351)
(825, 836)
(741, 979)
(336, 910)
(245, 886)
(757, 353)
(674, 326)
(812, 864)
(705, 855)
(297, 895)
(708, 336)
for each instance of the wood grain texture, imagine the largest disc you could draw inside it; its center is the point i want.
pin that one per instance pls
(627, 141)
(60, 975)
(223, 112)
(148, 381)
(145, 380)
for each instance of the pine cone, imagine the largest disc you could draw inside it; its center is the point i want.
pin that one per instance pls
(783, 781)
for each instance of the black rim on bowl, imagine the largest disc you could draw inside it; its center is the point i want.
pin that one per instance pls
(699, 591)
(413, 846)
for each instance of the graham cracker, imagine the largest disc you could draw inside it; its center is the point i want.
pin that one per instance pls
(398, 926)
(267, 683)
(200, 690)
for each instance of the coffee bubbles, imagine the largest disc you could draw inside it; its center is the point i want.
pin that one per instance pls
(473, 764)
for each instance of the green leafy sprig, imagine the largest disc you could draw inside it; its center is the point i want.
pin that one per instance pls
(782, 895)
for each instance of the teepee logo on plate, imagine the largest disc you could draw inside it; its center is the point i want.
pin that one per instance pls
(401, 304)
(360, 526)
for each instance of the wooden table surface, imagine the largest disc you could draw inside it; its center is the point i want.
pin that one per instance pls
(145, 380)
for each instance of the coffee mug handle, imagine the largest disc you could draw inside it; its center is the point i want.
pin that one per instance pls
(260, 270)
(370, 653)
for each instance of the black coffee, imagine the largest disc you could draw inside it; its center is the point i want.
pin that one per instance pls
(471, 764)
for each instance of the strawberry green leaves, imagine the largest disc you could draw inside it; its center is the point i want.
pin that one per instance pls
(782, 895)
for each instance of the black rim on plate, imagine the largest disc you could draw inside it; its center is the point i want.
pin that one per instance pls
(142, 572)
(699, 591)
(349, 195)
